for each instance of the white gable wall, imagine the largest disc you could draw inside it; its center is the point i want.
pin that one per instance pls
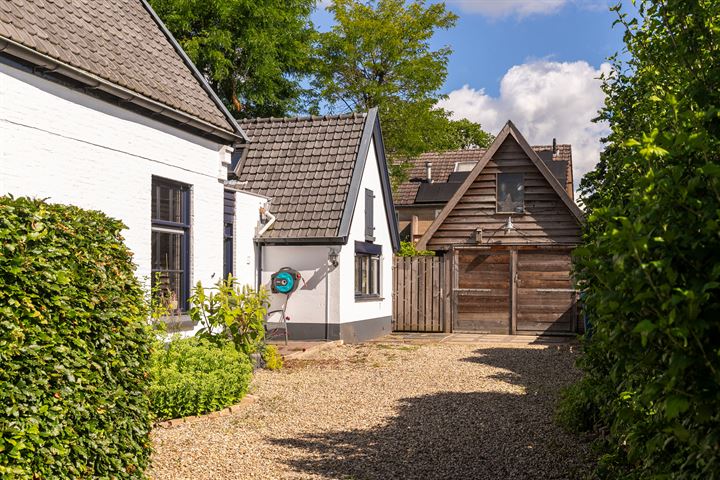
(60, 144)
(352, 310)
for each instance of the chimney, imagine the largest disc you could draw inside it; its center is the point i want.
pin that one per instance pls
(555, 146)
(428, 171)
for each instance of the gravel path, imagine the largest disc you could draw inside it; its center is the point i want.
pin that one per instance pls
(389, 411)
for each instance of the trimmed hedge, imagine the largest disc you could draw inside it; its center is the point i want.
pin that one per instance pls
(192, 376)
(74, 346)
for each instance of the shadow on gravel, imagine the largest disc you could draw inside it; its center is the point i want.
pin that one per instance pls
(452, 435)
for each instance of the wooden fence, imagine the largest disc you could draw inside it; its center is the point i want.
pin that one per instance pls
(421, 294)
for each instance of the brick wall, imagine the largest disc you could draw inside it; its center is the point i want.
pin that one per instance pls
(66, 146)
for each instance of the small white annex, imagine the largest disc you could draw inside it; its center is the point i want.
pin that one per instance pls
(128, 127)
(325, 184)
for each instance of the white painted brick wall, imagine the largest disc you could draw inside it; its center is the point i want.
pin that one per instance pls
(71, 148)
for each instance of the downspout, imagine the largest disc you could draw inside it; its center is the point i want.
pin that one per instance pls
(327, 303)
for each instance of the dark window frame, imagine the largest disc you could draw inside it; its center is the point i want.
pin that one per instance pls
(228, 233)
(183, 227)
(368, 271)
(498, 201)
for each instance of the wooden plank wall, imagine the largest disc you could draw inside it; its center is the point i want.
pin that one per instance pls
(546, 219)
(420, 290)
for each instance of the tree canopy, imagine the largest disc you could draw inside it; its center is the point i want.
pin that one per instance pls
(378, 54)
(650, 263)
(255, 53)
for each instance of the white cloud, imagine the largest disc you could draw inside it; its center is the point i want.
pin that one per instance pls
(545, 100)
(522, 8)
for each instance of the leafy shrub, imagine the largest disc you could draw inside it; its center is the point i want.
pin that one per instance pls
(230, 311)
(74, 346)
(650, 263)
(408, 249)
(192, 376)
(272, 358)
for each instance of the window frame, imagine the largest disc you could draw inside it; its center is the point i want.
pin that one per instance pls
(497, 194)
(184, 228)
(370, 273)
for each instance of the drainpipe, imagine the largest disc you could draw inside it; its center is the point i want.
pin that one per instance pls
(327, 304)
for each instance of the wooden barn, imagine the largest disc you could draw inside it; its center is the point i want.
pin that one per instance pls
(505, 224)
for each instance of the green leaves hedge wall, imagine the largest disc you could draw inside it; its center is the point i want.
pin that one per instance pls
(74, 346)
(650, 265)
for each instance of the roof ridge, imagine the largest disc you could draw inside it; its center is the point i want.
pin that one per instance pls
(302, 118)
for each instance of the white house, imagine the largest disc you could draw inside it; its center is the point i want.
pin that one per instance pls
(325, 183)
(101, 108)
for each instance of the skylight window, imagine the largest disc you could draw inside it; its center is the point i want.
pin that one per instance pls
(464, 166)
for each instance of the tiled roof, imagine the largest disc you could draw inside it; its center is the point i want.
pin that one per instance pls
(443, 164)
(116, 40)
(305, 166)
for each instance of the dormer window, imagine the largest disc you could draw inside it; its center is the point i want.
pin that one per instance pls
(510, 193)
(464, 166)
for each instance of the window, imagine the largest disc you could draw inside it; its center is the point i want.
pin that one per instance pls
(367, 275)
(369, 215)
(510, 193)
(171, 242)
(229, 228)
(368, 260)
(464, 166)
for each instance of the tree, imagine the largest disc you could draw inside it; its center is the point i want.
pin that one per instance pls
(378, 55)
(650, 263)
(255, 53)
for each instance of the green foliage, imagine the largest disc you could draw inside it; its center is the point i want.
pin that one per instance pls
(192, 376)
(272, 358)
(408, 249)
(378, 55)
(229, 311)
(651, 263)
(74, 346)
(255, 53)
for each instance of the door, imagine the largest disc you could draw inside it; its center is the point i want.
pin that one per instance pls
(481, 291)
(546, 299)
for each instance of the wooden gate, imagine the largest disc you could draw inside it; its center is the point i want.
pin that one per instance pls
(481, 292)
(421, 293)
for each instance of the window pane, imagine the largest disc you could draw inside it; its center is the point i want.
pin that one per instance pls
(510, 193)
(167, 203)
(358, 275)
(167, 250)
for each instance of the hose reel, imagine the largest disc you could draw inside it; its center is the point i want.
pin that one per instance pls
(285, 280)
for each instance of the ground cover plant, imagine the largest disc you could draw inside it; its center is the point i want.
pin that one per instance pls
(650, 266)
(192, 376)
(74, 346)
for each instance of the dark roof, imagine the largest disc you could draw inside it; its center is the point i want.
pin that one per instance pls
(443, 164)
(121, 42)
(307, 167)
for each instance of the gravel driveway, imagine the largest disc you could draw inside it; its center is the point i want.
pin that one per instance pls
(390, 411)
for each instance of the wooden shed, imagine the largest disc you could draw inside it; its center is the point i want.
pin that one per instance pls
(507, 234)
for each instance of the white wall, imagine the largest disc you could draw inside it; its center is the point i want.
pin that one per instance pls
(308, 303)
(247, 211)
(352, 310)
(70, 148)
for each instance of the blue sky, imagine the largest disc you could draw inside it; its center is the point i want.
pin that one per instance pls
(535, 62)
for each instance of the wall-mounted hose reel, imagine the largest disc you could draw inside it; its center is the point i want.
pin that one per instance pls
(285, 280)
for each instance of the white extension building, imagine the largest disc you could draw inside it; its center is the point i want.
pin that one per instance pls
(326, 186)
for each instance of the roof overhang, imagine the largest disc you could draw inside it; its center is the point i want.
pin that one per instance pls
(54, 68)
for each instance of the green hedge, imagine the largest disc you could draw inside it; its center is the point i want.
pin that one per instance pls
(74, 346)
(193, 376)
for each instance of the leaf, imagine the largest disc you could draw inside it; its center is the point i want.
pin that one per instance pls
(675, 405)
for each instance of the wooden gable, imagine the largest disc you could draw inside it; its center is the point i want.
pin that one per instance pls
(550, 217)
